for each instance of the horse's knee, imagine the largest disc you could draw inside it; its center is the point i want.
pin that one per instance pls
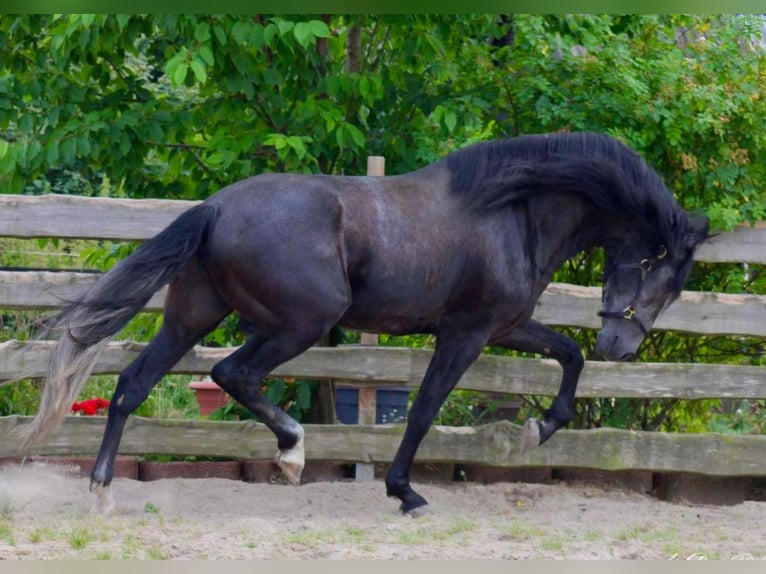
(571, 357)
(222, 374)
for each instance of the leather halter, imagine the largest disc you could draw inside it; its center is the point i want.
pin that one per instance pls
(629, 312)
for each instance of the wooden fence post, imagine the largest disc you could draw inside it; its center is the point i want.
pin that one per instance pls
(368, 401)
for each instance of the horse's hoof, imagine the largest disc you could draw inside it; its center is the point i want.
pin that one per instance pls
(416, 512)
(104, 501)
(530, 435)
(291, 462)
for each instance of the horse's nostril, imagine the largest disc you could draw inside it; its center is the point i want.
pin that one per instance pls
(626, 357)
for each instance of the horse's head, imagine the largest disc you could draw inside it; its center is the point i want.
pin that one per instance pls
(641, 280)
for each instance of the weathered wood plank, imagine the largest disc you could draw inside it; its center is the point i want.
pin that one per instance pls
(406, 367)
(703, 313)
(51, 289)
(744, 244)
(560, 304)
(68, 216)
(137, 219)
(496, 444)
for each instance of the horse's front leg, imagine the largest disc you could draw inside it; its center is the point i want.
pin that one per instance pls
(534, 337)
(454, 353)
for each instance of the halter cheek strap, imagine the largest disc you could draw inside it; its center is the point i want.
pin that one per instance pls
(629, 313)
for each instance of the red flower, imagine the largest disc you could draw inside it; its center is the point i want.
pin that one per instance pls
(90, 407)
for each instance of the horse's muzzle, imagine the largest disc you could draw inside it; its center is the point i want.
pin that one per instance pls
(617, 347)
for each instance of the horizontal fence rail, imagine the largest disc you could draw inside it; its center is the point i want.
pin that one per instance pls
(78, 217)
(561, 304)
(406, 367)
(495, 444)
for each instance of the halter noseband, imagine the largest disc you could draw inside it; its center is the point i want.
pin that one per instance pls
(629, 312)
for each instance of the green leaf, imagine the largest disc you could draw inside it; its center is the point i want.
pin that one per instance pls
(179, 75)
(3, 148)
(450, 120)
(276, 391)
(220, 34)
(356, 134)
(198, 67)
(268, 34)
(122, 21)
(303, 395)
(202, 32)
(241, 32)
(277, 141)
(298, 145)
(52, 152)
(303, 34)
(319, 29)
(272, 76)
(57, 41)
(339, 137)
(68, 150)
(285, 26)
(256, 37)
(206, 54)
(83, 145)
(364, 87)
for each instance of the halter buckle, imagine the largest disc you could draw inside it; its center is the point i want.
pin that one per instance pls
(645, 265)
(629, 312)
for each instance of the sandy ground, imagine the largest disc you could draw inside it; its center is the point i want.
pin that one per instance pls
(46, 512)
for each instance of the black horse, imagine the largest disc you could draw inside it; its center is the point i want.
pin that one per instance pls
(461, 249)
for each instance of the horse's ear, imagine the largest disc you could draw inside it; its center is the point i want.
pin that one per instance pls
(697, 231)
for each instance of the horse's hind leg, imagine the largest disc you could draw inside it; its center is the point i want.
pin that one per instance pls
(242, 373)
(192, 309)
(534, 337)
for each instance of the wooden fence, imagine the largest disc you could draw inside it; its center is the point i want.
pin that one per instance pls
(493, 444)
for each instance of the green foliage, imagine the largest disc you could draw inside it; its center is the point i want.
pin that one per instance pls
(459, 409)
(179, 105)
(293, 396)
(21, 398)
(170, 399)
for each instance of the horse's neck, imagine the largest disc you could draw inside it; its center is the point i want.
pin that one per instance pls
(567, 227)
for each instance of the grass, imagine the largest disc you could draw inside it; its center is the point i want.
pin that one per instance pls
(552, 544)
(6, 532)
(9, 507)
(79, 538)
(130, 547)
(155, 553)
(648, 535)
(42, 534)
(518, 530)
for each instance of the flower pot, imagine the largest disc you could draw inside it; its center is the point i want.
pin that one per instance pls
(210, 396)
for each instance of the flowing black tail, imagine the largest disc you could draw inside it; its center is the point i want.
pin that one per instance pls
(85, 325)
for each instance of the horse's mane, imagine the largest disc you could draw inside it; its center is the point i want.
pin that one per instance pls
(496, 174)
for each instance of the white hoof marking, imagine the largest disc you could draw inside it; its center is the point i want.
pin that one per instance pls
(530, 436)
(293, 460)
(104, 500)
